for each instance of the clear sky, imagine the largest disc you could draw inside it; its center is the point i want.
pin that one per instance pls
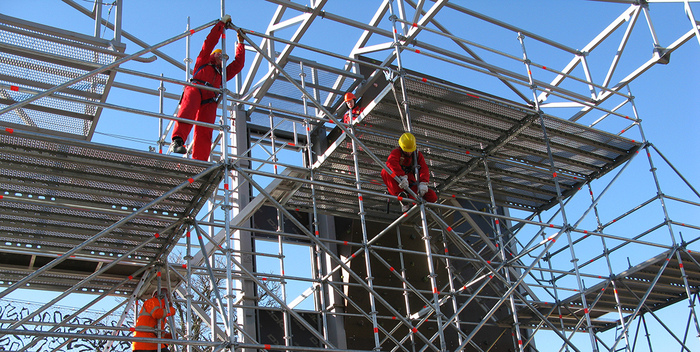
(666, 96)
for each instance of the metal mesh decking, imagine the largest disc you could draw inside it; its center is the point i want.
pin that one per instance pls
(60, 193)
(34, 58)
(456, 130)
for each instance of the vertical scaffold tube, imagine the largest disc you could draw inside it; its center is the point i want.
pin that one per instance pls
(227, 207)
(652, 167)
(691, 302)
(424, 222)
(556, 296)
(502, 253)
(402, 73)
(433, 277)
(161, 136)
(450, 278)
(188, 260)
(318, 253)
(403, 283)
(158, 325)
(606, 253)
(188, 59)
(280, 229)
(365, 239)
(566, 227)
(667, 217)
(283, 282)
(98, 18)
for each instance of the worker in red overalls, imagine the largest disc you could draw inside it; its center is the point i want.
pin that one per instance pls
(154, 310)
(200, 104)
(354, 109)
(401, 162)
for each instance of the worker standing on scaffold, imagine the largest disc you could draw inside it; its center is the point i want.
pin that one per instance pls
(152, 317)
(200, 104)
(401, 162)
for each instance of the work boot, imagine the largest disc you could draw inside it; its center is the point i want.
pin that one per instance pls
(178, 146)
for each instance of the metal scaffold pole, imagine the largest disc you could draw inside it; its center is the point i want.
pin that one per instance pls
(451, 285)
(661, 196)
(404, 285)
(227, 207)
(188, 293)
(610, 270)
(323, 293)
(365, 239)
(501, 244)
(553, 170)
(397, 51)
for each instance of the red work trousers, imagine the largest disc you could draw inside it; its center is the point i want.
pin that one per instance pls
(192, 108)
(393, 187)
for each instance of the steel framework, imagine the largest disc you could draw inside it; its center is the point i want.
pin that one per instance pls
(511, 257)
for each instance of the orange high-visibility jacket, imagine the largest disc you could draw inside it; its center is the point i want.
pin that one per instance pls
(151, 312)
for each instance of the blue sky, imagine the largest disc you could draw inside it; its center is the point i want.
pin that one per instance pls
(666, 96)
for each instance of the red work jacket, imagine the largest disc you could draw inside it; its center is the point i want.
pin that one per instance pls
(401, 164)
(206, 70)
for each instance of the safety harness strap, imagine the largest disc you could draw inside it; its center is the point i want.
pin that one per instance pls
(217, 97)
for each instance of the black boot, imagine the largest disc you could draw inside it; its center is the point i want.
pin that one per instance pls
(178, 146)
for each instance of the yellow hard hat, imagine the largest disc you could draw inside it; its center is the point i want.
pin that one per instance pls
(407, 142)
(216, 51)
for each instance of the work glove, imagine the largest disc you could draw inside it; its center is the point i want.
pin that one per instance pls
(403, 182)
(240, 36)
(226, 19)
(422, 188)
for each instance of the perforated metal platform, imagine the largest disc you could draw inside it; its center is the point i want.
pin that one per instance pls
(34, 58)
(631, 285)
(58, 194)
(456, 129)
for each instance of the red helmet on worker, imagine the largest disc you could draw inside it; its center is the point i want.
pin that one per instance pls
(349, 96)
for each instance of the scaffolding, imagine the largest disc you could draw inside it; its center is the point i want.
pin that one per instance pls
(520, 252)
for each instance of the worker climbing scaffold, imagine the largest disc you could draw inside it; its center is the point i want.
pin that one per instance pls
(200, 104)
(151, 322)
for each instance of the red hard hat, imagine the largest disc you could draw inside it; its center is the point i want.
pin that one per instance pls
(349, 96)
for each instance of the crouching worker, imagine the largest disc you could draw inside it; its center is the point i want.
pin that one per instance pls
(401, 162)
(153, 317)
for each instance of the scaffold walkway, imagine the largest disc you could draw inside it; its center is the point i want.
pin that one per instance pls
(76, 208)
(658, 279)
(456, 129)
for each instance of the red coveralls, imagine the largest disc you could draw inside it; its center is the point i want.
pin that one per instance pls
(191, 106)
(401, 164)
(151, 312)
(352, 115)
